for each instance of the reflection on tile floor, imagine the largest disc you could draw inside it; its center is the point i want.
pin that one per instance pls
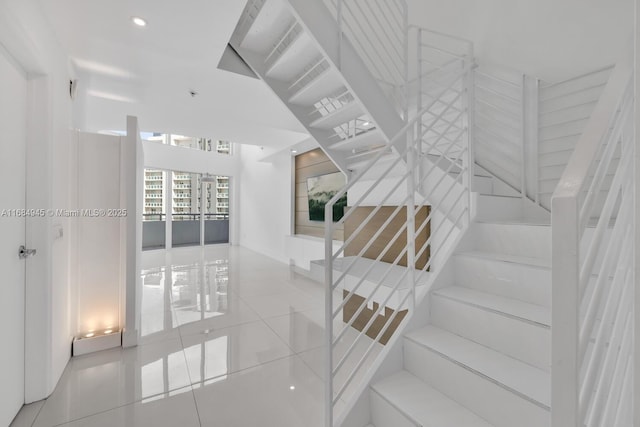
(229, 337)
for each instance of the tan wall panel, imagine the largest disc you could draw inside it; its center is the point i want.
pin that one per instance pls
(310, 164)
(374, 224)
(311, 158)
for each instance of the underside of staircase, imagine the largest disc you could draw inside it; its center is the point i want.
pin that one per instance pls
(293, 47)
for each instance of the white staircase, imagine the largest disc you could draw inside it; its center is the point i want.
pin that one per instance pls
(293, 46)
(487, 355)
(484, 359)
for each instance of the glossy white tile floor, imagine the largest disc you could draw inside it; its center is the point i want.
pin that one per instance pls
(229, 338)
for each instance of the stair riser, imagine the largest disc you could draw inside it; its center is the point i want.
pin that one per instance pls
(497, 405)
(513, 337)
(385, 414)
(513, 239)
(482, 185)
(493, 208)
(522, 282)
(502, 189)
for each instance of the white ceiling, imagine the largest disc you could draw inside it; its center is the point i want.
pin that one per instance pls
(148, 72)
(549, 39)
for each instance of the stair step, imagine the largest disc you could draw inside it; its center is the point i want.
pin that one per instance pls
(299, 53)
(324, 84)
(521, 378)
(357, 161)
(498, 304)
(482, 184)
(368, 153)
(350, 111)
(266, 29)
(514, 259)
(493, 274)
(419, 402)
(514, 328)
(492, 207)
(504, 391)
(370, 138)
(513, 239)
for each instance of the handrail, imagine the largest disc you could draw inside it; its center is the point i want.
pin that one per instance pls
(581, 76)
(591, 278)
(575, 174)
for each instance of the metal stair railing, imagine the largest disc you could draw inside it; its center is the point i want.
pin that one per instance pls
(593, 270)
(378, 31)
(414, 177)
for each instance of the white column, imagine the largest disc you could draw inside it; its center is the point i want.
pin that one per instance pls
(134, 173)
(168, 209)
(530, 136)
(636, 255)
(203, 203)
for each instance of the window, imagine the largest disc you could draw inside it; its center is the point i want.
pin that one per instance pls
(203, 144)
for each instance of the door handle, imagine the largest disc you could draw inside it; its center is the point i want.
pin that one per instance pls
(24, 253)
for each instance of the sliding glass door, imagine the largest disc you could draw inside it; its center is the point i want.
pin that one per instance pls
(185, 212)
(154, 214)
(185, 209)
(216, 224)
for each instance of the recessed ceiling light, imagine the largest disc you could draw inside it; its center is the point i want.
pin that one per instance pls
(294, 151)
(139, 21)
(366, 123)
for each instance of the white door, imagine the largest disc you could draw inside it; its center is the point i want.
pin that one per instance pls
(13, 124)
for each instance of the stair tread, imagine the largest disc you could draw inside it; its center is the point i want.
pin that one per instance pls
(424, 404)
(516, 259)
(293, 58)
(342, 115)
(497, 303)
(364, 139)
(516, 221)
(529, 382)
(323, 84)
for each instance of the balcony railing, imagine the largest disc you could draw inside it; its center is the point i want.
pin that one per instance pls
(178, 216)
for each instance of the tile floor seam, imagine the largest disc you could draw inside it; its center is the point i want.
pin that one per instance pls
(278, 335)
(201, 382)
(38, 413)
(274, 364)
(114, 408)
(195, 404)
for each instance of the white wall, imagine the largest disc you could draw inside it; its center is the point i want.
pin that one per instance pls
(99, 260)
(266, 209)
(265, 206)
(25, 33)
(550, 39)
(164, 156)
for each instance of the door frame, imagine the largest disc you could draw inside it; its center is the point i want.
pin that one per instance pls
(41, 370)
